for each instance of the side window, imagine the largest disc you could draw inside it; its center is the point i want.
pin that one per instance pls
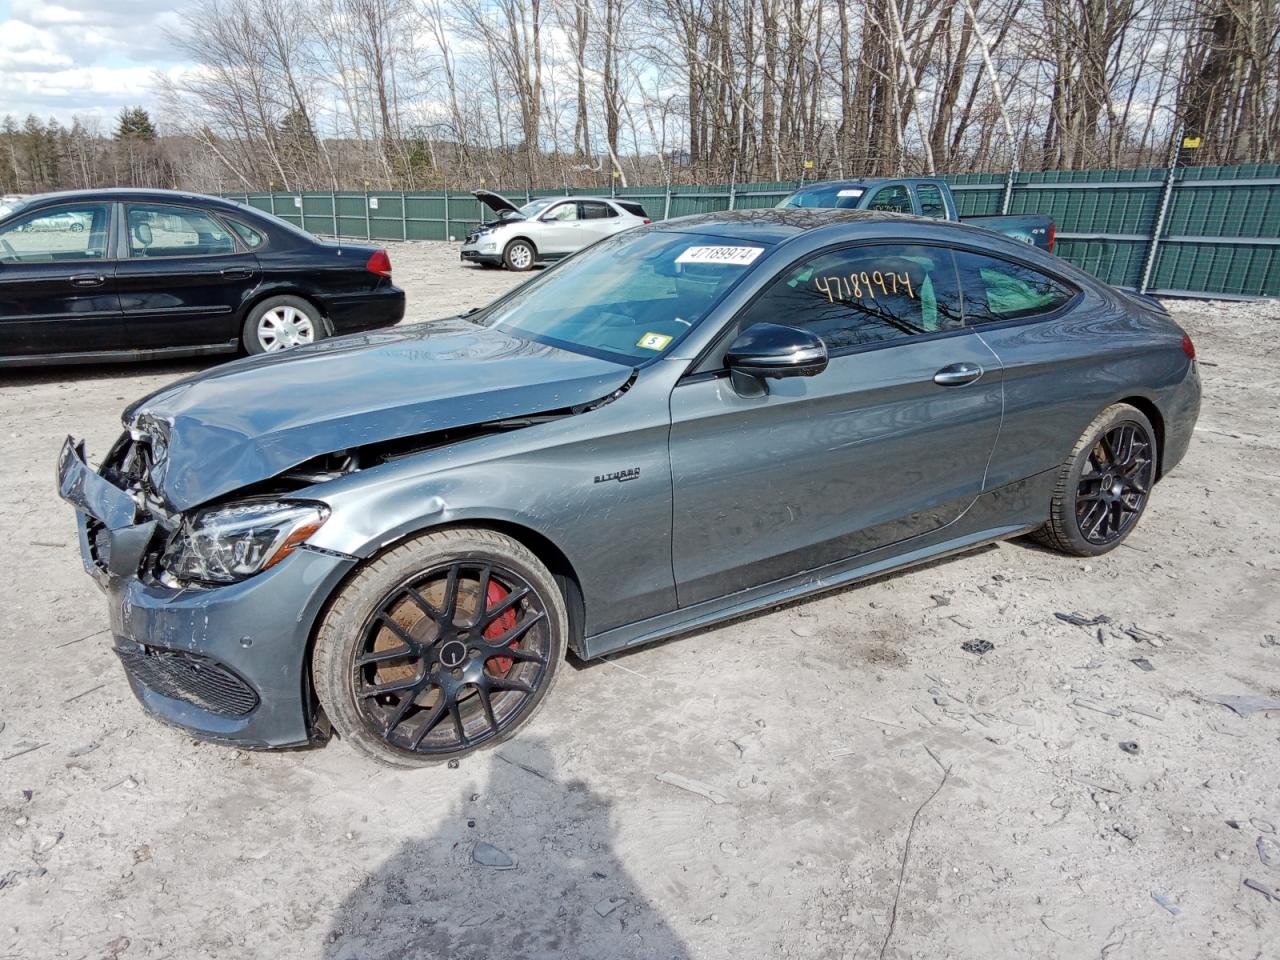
(565, 211)
(894, 197)
(76, 232)
(159, 230)
(863, 295)
(593, 210)
(931, 202)
(1003, 290)
(250, 237)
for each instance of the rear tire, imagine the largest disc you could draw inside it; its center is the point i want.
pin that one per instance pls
(279, 323)
(519, 256)
(411, 682)
(1103, 487)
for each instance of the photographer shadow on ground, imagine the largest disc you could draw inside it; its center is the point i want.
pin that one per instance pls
(544, 882)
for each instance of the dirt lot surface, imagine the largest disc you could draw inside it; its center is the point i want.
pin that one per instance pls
(878, 791)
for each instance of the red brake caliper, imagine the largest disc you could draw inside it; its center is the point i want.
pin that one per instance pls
(494, 596)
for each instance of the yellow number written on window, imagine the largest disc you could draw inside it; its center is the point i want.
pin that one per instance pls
(862, 284)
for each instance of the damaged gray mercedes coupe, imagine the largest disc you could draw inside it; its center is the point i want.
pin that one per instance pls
(398, 535)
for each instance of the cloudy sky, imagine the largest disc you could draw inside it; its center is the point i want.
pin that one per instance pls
(86, 57)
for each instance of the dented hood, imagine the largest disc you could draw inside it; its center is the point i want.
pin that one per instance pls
(252, 419)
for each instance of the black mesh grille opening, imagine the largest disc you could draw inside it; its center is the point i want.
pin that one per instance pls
(99, 542)
(188, 676)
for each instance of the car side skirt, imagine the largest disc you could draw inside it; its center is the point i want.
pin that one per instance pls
(116, 356)
(996, 515)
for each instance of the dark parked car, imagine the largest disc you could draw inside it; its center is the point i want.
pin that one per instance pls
(924, 196)
(130, 274)
(403, 532)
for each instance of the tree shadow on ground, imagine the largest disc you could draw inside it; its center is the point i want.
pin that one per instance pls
(568, 894)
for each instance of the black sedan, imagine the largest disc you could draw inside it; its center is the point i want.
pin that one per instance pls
(130, 274)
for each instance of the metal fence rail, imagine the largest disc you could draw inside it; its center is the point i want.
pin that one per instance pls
(1191, 231)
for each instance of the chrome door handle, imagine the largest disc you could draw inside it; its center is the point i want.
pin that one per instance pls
(236, 273)
(88, 280)
(957, 375)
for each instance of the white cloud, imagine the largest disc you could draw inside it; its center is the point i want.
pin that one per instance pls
(84, 57)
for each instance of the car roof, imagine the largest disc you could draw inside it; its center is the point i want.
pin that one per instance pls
(126, 193)
(601, 199)
(774, 224)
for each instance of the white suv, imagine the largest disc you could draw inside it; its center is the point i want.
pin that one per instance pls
(548, 228)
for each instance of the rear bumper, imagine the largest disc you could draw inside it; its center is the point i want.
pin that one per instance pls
(1180, 407)
(366, 311)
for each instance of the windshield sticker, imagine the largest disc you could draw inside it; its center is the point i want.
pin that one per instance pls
(654, 341)
(733, 256)
(862, 284)
(850, 192)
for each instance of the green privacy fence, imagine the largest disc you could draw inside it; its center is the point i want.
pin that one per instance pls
(1190, 231)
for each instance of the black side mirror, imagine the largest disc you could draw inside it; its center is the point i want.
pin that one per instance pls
(770, 351)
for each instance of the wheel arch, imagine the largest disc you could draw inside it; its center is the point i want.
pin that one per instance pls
(1148, 408)
(525, 239)
(267, 293)
(539, 544)
(542, 547)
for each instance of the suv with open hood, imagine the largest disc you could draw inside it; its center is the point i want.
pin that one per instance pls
(546, 228)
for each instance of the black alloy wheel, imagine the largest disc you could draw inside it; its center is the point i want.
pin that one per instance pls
(1103, 487)
(446, 643)
(451, 658)
(1114, 484)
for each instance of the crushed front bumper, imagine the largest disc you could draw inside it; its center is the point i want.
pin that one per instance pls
(225, 663)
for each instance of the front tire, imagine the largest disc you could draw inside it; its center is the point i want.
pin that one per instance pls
(1103, 486)
(519, 256)
(279, 323)
(446, 644)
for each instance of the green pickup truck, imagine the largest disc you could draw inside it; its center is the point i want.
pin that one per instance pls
(921, 196)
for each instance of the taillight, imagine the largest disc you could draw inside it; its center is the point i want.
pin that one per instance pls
(1053, 235)
(647, 220)
(379, 263)
(1188, 347)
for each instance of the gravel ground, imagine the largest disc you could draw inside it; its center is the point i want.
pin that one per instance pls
(883, 793)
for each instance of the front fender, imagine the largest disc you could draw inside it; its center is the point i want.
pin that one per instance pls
(595, 486)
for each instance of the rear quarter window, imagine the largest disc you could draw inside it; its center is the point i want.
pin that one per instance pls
(996, 290)
(250, 237)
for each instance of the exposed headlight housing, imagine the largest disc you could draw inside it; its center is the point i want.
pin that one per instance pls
(232, 542)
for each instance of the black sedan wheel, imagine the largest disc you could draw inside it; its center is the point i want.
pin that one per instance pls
(444, 645)
(279, 323)
(1103, 487)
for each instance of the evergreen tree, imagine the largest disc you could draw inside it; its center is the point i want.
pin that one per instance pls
(134, 123)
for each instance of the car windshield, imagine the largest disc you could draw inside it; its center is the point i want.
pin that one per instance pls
(826, 196)
(10, 205)
(629, 298)
(534, 207)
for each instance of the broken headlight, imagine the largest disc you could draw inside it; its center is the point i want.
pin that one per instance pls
(232, 542)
